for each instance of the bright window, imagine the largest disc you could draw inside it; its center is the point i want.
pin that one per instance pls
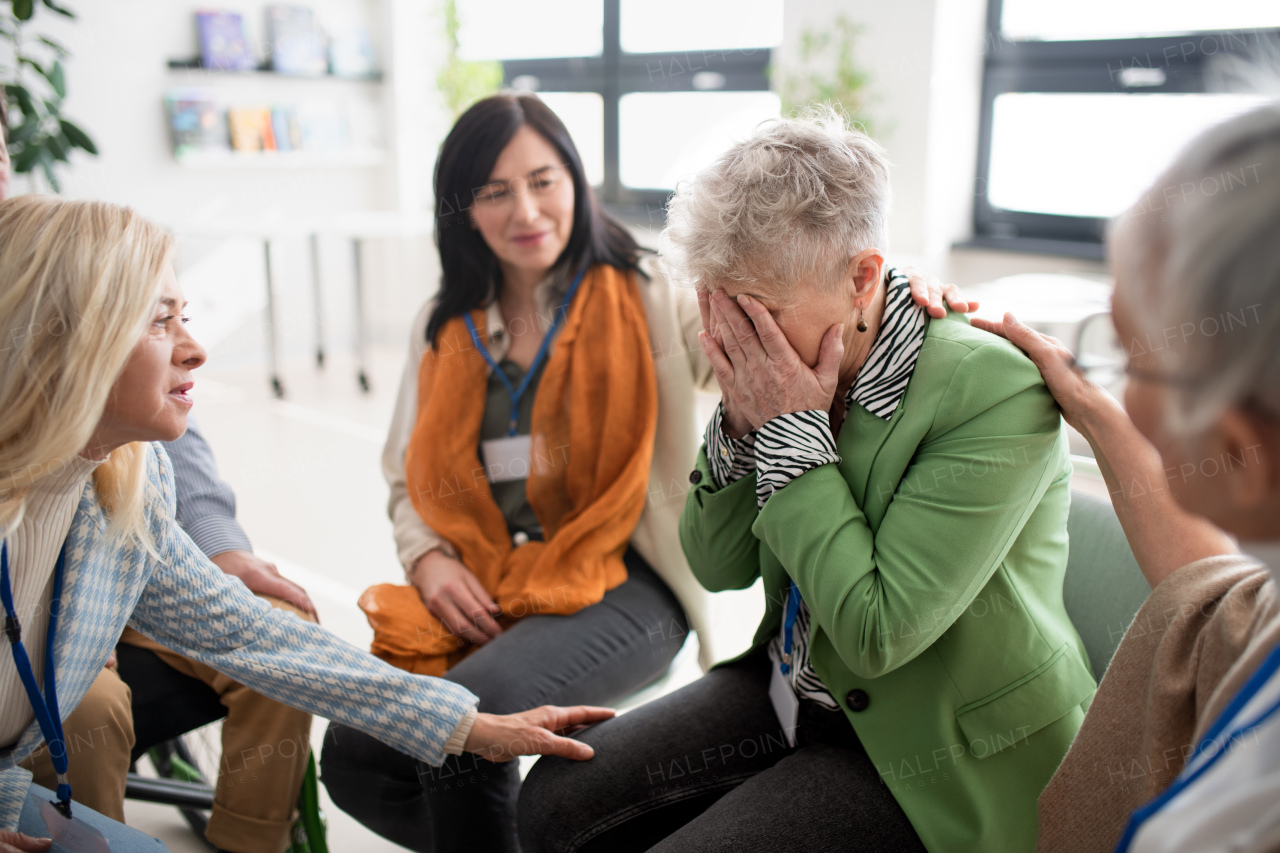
(507, 29)
(652, 156)
(583, 114)
(1084, 104)
(1042, 162)
(652, 93)
(653, 26)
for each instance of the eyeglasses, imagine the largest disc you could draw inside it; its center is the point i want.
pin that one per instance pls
(539, 182)
(1107, 372)
(1100, 358)
(1097, 353)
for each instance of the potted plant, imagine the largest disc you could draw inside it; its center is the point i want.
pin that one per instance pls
(35, 86)
(823, 70)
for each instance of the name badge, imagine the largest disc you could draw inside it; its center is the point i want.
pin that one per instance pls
(785, 703)
(74, 834)
(507, 458)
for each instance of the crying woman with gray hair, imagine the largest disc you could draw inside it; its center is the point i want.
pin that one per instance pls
(900, 485)
(1180, 750)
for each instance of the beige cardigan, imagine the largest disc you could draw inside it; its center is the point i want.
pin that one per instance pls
(681, 366)
(1199, 636)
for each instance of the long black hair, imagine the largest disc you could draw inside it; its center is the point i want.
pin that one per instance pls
(470, 275)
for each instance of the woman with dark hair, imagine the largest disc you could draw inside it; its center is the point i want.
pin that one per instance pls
(535, 521)
(538, 460)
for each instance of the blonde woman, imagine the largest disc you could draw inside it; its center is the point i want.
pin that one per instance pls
(96, 366)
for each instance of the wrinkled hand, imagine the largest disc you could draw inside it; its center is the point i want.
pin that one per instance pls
(539, 731)
(455, 596)
(263, 578)
(16, 842)
(928, 291)
(759, 372)
(1075, 394)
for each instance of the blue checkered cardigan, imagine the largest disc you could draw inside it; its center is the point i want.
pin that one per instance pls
(186, 603)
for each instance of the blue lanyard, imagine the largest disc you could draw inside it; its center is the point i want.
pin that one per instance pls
(788, 626)
(46, 706)
(1213, 747)
(517, 393)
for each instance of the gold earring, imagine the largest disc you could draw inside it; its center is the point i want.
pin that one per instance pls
(862, 324)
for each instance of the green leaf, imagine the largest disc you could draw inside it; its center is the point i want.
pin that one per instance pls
(25, 159)
(58, 79)
(54, 46)
(24, 132)
(20, 94)
(61, 10)
(77, 137)
(22, 9)
(46, 165)
(58, 145)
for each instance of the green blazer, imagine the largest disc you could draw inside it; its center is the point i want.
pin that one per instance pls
(931, 559)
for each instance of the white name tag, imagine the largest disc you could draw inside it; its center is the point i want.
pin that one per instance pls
(507, 458)
(785, 703)
(74, 835)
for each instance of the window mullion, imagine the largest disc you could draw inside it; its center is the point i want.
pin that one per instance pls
(610, 91)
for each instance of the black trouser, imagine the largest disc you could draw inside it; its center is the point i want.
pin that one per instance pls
(597, 656)
(707, 768)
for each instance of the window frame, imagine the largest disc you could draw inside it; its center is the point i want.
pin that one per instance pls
(1092, 66)
(615, 73)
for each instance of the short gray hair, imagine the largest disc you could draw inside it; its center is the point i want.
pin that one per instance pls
(792, 203)
(1199, 257)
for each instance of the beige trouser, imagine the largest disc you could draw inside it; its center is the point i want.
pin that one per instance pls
(264, 754)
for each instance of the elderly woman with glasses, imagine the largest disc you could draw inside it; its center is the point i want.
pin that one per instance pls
(900, 486)
(1179, 750)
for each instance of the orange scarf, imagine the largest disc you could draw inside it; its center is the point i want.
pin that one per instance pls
(594, 419)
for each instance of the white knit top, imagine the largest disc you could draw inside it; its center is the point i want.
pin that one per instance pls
(33, 553)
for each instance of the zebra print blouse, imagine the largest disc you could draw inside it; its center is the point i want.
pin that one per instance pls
(791, 444)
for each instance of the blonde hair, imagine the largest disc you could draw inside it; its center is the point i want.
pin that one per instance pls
(79, 281)
(791, 204)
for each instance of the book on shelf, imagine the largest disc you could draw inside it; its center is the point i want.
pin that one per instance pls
(351, 51)
(204, 130)
(251, 129)
(197, 123)
(284, 124)
(223, 43)
(323, 126)
(298, 44)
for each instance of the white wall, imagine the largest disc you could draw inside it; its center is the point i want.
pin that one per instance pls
(117, 80)
(925, 62)
(925, 59)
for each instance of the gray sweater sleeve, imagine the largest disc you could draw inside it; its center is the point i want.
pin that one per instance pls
(206, 504)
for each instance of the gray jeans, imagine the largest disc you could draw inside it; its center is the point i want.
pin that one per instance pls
(707, 768)
(597, 656)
